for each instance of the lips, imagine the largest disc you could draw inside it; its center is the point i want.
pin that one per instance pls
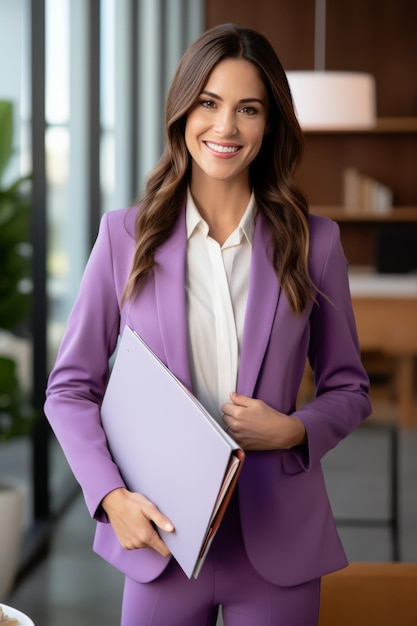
(221, 148)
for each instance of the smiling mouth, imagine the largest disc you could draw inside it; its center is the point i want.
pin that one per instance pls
(222, 149)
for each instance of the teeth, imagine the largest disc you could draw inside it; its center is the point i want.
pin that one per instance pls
(217, 148)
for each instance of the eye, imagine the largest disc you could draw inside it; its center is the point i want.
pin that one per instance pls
(248, 110)
(207, 104)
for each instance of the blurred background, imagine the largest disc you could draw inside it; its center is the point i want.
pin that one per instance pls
(82, 90)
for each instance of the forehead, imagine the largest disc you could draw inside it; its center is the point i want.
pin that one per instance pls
(236, 76)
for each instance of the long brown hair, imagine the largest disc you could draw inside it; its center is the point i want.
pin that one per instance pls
(271, 173)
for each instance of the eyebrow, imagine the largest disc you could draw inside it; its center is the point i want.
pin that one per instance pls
(242, 101)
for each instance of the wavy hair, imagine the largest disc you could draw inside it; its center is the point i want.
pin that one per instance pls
(271, 173)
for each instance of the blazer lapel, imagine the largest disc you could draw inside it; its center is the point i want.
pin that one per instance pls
(264, 292)
(171, 300)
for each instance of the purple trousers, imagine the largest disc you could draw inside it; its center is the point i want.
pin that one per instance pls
(227, 579)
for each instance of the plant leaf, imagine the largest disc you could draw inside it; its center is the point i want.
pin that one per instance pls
(16, 419)
(6, 134)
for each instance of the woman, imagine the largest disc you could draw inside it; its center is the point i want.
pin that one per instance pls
(228, 279)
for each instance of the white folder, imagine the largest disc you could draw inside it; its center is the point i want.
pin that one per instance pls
(170, 449)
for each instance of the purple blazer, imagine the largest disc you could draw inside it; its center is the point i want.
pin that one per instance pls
(287, 523)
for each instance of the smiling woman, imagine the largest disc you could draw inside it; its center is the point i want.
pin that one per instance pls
(223, 273)
(224, 133)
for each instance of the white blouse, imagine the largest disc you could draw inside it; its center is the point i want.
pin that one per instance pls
(217, 283)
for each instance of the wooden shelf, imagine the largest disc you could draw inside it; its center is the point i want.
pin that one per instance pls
(396, 125)
(384, 125)
(340, 214)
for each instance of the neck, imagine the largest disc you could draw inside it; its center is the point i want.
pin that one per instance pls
(222, 211)
(220, 200)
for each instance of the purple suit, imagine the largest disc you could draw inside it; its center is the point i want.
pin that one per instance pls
(286, 520)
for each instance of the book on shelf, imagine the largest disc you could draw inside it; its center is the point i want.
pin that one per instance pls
(364, 194)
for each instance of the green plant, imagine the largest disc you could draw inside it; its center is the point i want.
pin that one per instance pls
(16, 416)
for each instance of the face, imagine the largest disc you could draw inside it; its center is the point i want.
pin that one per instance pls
(225, 129)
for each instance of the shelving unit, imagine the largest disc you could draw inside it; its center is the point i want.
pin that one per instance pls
(386, 323)
(388, 153)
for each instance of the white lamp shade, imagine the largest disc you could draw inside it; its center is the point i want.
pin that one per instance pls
(333, 100)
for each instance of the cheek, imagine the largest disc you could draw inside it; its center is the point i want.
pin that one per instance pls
(191, 131)
(187, 137)
(257, 138)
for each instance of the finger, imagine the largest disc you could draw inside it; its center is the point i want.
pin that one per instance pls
(163, 523)
(157, 544)
(147, 536)
(154, 515)
(160, 520)
(227, 408)
(239, 399)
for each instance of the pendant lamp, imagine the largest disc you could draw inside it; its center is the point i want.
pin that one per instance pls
(331, 100)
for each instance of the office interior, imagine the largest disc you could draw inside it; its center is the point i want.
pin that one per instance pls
(88, 79)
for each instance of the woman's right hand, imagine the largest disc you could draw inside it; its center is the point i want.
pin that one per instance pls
(134, 519)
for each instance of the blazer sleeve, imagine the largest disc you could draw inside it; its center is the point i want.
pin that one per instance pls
(341, 399)
(77, 382)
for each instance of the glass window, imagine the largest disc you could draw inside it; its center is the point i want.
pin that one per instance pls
(15, 87)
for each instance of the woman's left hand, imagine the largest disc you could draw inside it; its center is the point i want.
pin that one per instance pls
(256, 426)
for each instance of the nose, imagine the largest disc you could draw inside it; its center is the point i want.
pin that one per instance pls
(225, 124)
